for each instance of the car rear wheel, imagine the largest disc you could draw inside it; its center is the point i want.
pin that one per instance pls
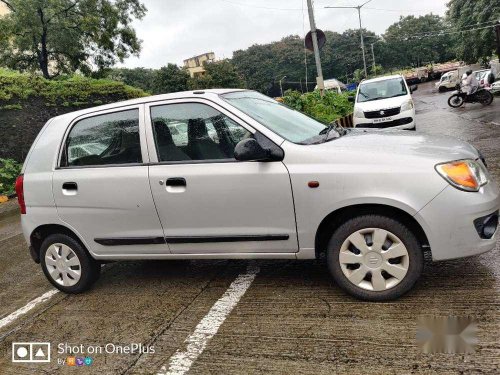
(374, 258)
(67, 265)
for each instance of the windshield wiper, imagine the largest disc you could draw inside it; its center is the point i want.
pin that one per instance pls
(332, 126)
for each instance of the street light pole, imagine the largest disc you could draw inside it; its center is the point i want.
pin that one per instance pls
(361, 36)
(281, 88)
(319, 78)
(358, 8)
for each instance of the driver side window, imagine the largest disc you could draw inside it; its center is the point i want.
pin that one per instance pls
(194, 131)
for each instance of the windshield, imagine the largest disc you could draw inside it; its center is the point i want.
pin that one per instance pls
(292, 125)
(388, 88)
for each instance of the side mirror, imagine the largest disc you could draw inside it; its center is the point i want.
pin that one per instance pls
(413, 88)
(250, 150)
(351, 98)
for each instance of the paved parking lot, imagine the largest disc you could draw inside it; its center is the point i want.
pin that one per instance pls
(282, 317)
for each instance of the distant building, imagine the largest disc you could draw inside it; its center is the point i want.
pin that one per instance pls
(194, 64)
(3, 9)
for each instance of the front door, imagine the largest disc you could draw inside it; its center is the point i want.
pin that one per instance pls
(101, 187)
(207, 201)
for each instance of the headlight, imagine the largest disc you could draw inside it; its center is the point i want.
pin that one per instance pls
(407, 105)
(359, 113)
(467, 175)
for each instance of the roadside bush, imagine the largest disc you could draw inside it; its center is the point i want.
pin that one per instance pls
(328, 108)
(66, 91)
(9, 170)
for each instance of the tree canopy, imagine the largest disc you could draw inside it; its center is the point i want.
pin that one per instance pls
(63, 36)
(219, 74)
(479, 44)
(413, 41)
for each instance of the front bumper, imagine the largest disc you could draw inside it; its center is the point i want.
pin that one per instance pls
(448, 221)
(403, 120)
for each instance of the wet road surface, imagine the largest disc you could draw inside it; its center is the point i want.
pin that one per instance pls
(292, 319)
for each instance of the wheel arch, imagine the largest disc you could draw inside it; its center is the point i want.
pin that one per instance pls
(335, 218)
(40, 233)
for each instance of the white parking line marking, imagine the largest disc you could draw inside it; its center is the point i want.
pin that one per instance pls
(29, 306)
(182, 361)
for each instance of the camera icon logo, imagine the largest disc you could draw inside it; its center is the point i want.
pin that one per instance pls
(31, 352)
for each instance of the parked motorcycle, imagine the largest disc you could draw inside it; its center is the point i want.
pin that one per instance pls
(459, 97)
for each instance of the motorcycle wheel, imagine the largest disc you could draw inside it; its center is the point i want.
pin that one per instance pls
(485, 97)
(455, 101)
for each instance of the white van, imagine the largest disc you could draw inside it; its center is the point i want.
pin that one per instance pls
(333, 85)
(448, 81)
(384, 102)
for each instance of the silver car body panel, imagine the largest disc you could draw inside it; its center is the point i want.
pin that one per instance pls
(377, 167)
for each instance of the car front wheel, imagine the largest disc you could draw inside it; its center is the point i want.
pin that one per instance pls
(374, 258)
(67, 265)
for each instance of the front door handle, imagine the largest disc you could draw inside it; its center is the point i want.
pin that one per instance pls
(69, 188)
(176, 181)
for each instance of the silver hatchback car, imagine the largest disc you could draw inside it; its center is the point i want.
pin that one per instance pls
(249, 178)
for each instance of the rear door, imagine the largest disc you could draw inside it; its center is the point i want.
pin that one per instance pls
(207, 201)
(101, 186)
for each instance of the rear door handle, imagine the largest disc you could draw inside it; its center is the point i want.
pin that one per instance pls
(176, 181)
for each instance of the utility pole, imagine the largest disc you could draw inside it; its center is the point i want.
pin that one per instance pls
(319, 78)
(358, 8)
(373, 55)
(373, 58)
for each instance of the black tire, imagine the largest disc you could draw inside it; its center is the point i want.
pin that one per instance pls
(485, 97)
(415, 255)
(442, 89)
(90, 268)
(455, 101)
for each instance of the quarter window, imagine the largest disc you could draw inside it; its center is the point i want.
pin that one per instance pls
(194, 131)
(106, 139)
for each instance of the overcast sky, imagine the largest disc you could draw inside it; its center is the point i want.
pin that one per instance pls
(174, 30)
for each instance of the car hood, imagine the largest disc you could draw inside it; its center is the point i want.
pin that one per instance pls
(376, 105)
(388, 144)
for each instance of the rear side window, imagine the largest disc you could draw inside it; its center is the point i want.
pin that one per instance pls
(107, 139)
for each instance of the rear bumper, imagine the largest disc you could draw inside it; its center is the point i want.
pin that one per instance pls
(449, 221)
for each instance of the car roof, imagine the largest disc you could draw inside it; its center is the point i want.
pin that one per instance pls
(153, 98)
(383, 78)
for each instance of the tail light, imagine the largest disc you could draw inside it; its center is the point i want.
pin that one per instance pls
(20, 193)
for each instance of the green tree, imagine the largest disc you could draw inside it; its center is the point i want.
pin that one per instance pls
(262, 66)
(219, 74)
(412, 41)
(62, 36)
(170, 78)
(138, 77)
(472, 46)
